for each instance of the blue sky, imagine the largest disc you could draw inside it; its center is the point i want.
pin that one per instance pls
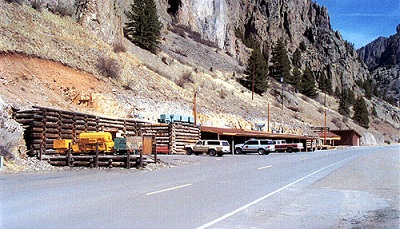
(362, 21)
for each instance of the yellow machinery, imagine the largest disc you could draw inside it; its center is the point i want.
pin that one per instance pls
(87, 143)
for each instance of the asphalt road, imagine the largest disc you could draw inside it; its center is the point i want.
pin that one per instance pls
(351, 188)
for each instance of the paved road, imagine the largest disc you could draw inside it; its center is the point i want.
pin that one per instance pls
(355, 187)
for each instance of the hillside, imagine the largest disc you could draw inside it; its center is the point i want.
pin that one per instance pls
(51, 60)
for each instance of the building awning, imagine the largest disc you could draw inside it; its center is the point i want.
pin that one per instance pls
(251, 133)
(328, 136)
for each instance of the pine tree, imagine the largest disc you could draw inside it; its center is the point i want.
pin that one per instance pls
(297, 76)
(307, 86)
(280, 63)
(257, 68)
(361, 113)
(143, 27)
(344, 104)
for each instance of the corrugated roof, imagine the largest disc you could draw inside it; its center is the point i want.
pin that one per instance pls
(251, 133)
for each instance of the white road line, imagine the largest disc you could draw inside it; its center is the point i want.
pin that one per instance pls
(265, 197)
(303, 159)
(265, 167)
(168, 189)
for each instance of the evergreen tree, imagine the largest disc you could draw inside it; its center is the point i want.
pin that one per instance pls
(361, 113)
(256, 69)
(297, 76)
(297, 58)
(368, 89)
(344, 104)
(307, 86)
(351, 99)
(143, 27)
(280, 63)
(325, 85)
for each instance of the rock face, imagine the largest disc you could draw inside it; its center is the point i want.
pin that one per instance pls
(299, 23)
(382, 57)
(296, 22)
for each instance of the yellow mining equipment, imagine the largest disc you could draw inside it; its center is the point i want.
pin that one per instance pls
(62, 145)
(88, 141)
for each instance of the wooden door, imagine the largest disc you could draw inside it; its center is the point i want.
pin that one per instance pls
(147, 145)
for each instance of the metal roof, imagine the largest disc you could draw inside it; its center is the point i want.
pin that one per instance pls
(251, 133)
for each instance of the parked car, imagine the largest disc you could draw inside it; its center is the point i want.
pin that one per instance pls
(212, 147)
(282, 145)
(260, 146)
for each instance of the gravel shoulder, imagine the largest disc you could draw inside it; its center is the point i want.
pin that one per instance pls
(372, 181)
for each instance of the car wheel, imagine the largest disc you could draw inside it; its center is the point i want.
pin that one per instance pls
(238, 151)
(261, 151)
(189, 151)
(212, 152)
(220, 154)
(290, 150)
(267, 152)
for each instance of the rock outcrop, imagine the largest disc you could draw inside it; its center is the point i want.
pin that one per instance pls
(382, 57)
(300, 22)
(296, 22)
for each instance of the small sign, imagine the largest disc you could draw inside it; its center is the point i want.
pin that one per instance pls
(134, 142)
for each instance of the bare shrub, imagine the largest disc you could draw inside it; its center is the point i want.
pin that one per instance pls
(294, 108)
(321, 110)
(296, 115)
(222, 93)
(109, 67)
(127, 85)
(19, 2)
(119, 47)
(185, 78)
(37, 5)
(61, 9)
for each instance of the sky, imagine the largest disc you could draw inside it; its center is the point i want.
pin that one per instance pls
(362, 21)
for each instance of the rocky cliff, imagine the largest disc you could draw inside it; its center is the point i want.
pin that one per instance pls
(297, 22)
(382, 57)
(300, 21)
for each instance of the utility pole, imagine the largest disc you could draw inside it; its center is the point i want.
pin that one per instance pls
(325, 128)
(195, 105)
(268, 118)
(252, 84)
(282, 90)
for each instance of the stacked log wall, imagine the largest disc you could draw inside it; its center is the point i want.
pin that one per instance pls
(161, 133)
(44, 125)
(183, 134)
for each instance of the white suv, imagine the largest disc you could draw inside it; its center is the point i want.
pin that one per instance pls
(212, 147)
(260, 146)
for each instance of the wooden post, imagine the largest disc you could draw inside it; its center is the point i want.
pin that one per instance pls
(40, 151)
(69, 155)
(96, 159)
(141, 159)
(128, 159)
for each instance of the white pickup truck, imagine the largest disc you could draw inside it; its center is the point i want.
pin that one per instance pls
(282, 145)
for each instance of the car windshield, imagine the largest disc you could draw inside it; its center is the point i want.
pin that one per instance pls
(225, 143)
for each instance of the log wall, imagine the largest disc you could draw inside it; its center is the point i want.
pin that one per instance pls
(44, 125)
